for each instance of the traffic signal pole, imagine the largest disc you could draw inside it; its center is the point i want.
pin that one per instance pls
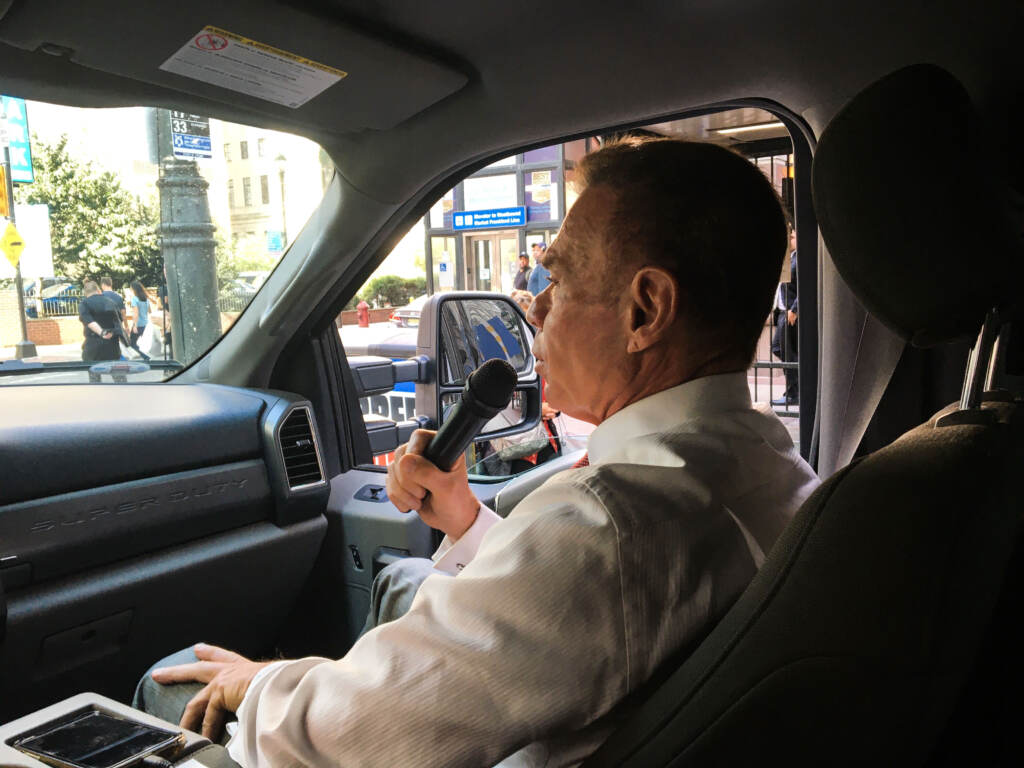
(23, 348)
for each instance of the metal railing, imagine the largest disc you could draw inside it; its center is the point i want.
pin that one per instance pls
(63, 304)
(66, 304)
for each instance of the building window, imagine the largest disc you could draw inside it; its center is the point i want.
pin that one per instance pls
(247, 191)
(227, 151)
(442, 251)
(541, 196)
(441, 212)
(260, 148)
(243, 150)
(548, 154)
(486, 192)
(264, 189)
(231, 191)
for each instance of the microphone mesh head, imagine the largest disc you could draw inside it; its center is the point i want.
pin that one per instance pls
(493, 382)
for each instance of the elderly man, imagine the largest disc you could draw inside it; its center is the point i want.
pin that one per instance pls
(560, 611)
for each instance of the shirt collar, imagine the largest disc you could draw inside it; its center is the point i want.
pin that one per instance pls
(657, 412)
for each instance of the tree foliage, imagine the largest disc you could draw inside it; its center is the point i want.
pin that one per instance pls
(392, 290)
(97, 227)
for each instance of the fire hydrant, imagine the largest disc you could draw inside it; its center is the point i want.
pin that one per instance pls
(363, 314)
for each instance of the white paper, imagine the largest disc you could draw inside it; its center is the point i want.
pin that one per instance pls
(222, 58)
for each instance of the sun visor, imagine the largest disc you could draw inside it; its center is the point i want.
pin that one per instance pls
(265, 56)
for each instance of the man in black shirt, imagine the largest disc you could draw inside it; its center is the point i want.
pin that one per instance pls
(523, 275)
(99, 319)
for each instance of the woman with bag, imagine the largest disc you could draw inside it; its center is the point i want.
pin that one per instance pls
(140, 315)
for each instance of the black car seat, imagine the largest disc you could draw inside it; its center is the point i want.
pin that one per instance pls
(883, 627)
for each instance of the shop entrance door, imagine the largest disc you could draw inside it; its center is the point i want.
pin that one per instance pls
(491, 261)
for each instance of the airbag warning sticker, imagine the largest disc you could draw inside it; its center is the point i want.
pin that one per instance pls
(231, 61)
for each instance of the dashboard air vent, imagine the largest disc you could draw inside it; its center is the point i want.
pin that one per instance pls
(300, 451)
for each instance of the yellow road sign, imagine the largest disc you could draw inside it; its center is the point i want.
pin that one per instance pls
(5, 204)
(12, 245)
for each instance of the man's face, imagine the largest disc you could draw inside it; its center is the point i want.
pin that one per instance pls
(524, 262)
(538, 254)
(581, 340)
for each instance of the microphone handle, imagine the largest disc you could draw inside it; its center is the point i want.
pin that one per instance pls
(454, 436)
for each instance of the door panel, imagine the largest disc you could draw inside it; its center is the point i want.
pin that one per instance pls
(101, 629)
(145, 518)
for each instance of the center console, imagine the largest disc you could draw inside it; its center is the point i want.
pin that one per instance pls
(92, 731)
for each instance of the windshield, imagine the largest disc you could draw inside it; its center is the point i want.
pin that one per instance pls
(138, 236)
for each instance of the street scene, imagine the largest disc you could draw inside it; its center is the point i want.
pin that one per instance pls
(189, 215)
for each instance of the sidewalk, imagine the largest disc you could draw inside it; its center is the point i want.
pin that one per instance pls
(48, 353)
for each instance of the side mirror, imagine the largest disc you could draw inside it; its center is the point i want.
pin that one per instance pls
(457, 333)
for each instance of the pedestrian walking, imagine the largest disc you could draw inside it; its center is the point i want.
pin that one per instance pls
(785, 337)
(539, 277)
(139, 317)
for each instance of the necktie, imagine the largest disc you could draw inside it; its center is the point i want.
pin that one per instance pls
(584, 462)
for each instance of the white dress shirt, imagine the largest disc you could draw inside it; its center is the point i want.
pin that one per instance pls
(561, 609)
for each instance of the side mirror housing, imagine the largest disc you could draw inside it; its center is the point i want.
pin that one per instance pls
(457, 333)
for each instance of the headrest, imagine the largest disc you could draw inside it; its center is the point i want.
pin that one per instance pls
(909, 206)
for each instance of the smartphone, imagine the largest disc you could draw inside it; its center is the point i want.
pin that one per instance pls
(93, 738)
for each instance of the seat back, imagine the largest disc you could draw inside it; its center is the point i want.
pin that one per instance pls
(880, 628)
(853, 643)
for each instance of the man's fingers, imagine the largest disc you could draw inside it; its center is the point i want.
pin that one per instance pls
(195, 711)
(421, 472)
(420, 440)
(196, 672)
(213, 720)
(215, 653)
(403, 502)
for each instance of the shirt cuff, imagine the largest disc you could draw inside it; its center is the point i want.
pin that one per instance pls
(236, 744)
(452, 556)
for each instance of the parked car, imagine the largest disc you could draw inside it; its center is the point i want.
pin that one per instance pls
(409, 315)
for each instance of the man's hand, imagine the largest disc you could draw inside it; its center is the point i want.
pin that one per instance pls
(547, 412)
(791, 317)
(227, 676)
(450, 506)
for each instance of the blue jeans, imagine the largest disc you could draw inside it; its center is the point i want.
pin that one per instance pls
(391, 595)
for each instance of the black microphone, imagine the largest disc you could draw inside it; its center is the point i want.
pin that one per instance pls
(487, 393)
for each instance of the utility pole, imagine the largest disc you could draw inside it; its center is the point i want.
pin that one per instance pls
(186, 240)
(23, 348)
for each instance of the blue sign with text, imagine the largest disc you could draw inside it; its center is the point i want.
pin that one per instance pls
(275, 241)
(190, 136)
(491, 217)
(18, 139)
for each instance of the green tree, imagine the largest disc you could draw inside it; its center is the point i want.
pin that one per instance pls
(97, 227)
(392, 290)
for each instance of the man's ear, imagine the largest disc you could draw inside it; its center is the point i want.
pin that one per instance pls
(654, 306)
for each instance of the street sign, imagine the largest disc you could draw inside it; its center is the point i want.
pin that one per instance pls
(16, 116)
(12, 245)
(275, 241)
(190, 136)
(34, 227)
(490, 218)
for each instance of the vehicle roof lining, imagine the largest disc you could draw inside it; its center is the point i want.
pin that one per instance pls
(608, 68)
